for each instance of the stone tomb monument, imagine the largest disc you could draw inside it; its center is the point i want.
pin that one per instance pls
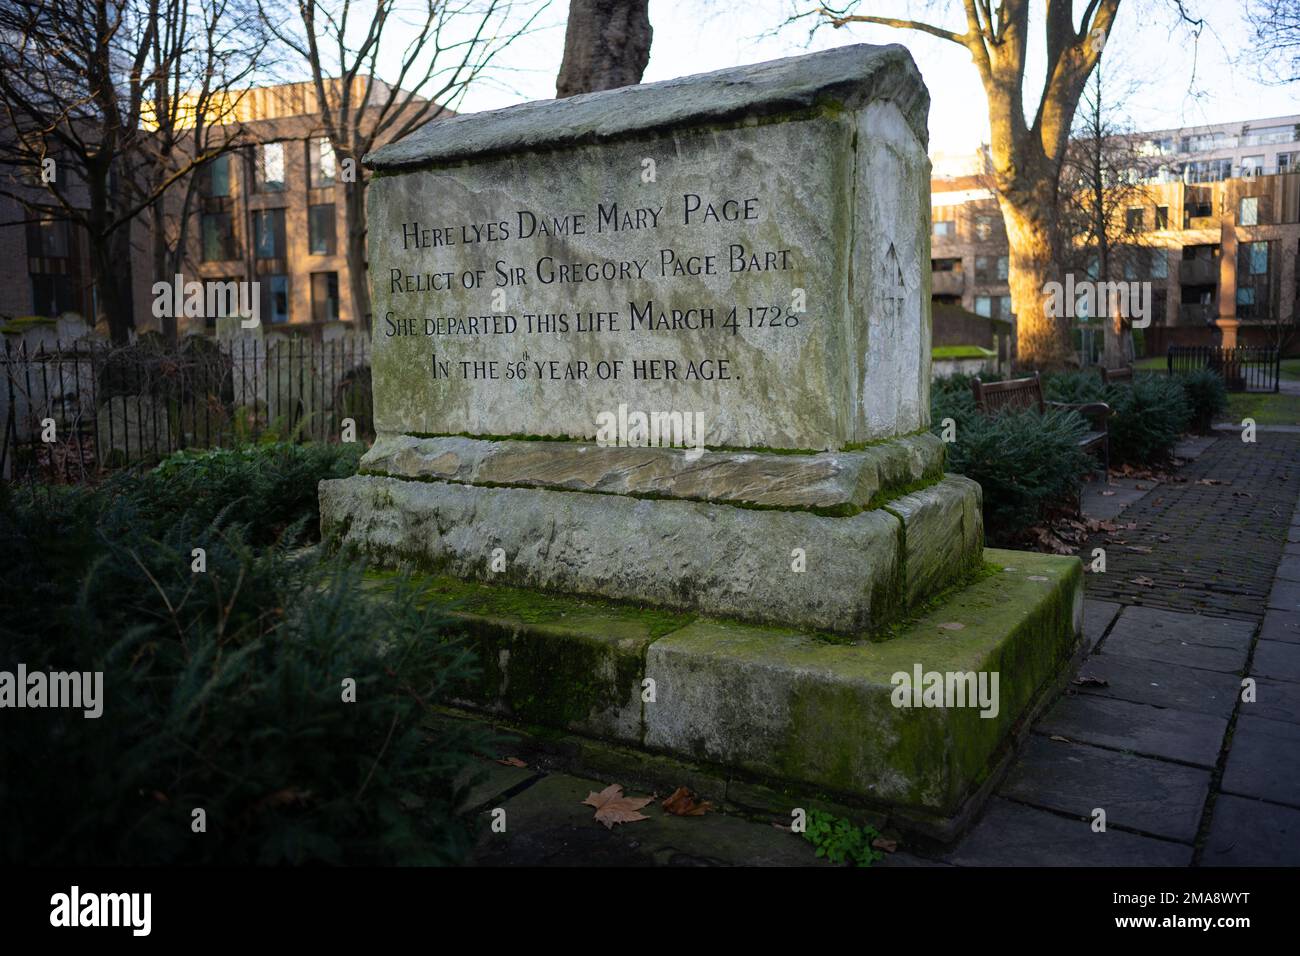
(651, 376)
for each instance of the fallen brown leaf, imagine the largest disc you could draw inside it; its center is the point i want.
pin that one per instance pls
(511, 762)
(684, 803)
(1143, 581)
(612, 807)
(884, 843)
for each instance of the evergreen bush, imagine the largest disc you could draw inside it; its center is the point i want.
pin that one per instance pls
(222, 690)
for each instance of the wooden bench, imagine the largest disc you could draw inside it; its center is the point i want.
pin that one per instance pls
(993, 397)
(1110, 376)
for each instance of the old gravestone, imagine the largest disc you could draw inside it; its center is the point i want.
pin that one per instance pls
(737, 264)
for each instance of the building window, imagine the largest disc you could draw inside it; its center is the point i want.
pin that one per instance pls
(1270, 134)
(1257, 258)
(275, 298)
(268, 233)
(1004, 306)
(320, 229)
(1208, 171)
(1134, 218)
(1002, 267)
(1251, 166)
(1159, 264)
(1162, 217)
(1287, 162)
(47, 239)
(218, 237)
(1246, 303)
(945, 229)
(984, 306)
(321, 162)
(51, 294)
(983, 227)
(214, 177)
(1201, 142)
(945, 265)
(270, 167)
(1248, 213)
(325, 296)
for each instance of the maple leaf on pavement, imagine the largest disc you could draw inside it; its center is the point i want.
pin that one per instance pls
(612, 807)
(684, 803)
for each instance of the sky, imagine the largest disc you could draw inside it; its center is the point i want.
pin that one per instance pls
(1179, 80)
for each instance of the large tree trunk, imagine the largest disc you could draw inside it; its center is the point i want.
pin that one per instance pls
(110, 266)
(161, 261)
(1115, 337)
(354, 210)
(1042, 339)
(606, 45)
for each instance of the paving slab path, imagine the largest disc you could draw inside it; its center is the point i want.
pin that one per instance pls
(1157, 735)
(1182, 728)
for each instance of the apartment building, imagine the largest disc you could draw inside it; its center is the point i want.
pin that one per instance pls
(45, 264)
(1205, 154)
(1219, 247)
(270, 211)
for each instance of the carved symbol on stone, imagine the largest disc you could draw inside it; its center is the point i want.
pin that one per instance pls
(894, 286)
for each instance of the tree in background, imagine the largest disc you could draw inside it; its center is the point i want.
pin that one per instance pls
(1275, 39)
(97, 128)
(606, 45)
(428, 52)
(192, 110)
(1027, 153)
(1101, 181)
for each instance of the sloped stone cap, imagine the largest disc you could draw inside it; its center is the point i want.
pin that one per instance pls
(850, 76)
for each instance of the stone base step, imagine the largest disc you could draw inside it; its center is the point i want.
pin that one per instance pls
(781, 710)
(854, 574)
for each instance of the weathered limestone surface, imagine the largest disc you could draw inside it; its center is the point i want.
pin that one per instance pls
(786, 706)
(849, 75)
(715, 559)
(780, 704)
(769, 277)
(943, 529)
(832, 480)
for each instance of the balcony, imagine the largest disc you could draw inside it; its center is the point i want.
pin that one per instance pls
(947, 283)
(1198, 271)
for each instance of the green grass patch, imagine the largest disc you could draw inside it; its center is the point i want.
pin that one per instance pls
(1266, 408)
(961, 352)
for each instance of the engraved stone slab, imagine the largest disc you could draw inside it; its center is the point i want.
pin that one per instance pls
(747, 249)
